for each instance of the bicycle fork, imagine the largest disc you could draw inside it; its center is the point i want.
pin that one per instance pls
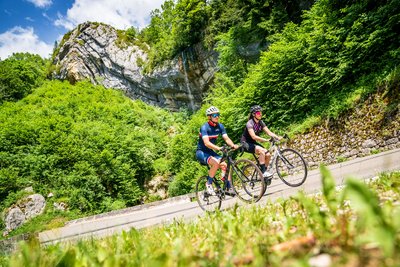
(285, 160)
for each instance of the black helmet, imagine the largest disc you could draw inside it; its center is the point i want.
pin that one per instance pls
(255, 108)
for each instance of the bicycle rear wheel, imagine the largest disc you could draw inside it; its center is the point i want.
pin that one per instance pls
(248, 181)
(291, 167)
(208, 202)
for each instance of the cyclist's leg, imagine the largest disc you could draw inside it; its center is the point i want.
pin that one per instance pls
(258, 150)
(204, 159)
(213, 162)
(207, 159)
(262, 157)
(224, 167)
(267, 158)
(211, 159)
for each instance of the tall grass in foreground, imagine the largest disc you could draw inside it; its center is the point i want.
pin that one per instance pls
(356, 226)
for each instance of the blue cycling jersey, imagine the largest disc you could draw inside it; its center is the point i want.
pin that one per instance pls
(212, 132)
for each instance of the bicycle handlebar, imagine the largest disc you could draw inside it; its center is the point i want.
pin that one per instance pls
(274, 140)
(226, 149)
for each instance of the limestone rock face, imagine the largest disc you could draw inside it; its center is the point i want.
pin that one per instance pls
(25, 209)
(92, 51)
(14, 219)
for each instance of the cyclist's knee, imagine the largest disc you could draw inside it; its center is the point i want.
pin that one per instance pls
(213, 161)
(261, 151)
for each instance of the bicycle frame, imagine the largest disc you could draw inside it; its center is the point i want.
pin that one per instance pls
(230, 162)
(245, 188)
(277, 152)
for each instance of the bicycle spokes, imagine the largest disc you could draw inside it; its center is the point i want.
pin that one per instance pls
(208, 201)
(248, 183)
(291, 167)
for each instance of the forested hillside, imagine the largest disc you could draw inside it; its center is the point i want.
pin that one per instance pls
(235, 25)
(95, 149)
(312, 70)
(92, 148)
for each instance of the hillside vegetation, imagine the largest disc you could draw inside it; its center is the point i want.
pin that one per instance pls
(340, 52)
(93, 148)
(180, 24)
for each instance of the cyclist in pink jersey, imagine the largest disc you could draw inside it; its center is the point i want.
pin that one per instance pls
(251, 137)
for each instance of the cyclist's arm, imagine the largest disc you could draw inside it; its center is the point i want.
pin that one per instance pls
(268, 131)
(210, 145)
(229, 141)
(256, 137)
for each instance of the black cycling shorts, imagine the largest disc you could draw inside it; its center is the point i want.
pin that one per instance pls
(250, 147)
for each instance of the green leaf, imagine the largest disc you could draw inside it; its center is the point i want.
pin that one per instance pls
(328, 189)
(372, 220)
(68, 259)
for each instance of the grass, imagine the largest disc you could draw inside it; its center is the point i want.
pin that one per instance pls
(341, 159)
(355, 226)
(374, 151)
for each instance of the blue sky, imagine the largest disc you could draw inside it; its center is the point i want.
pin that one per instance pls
(34, 25)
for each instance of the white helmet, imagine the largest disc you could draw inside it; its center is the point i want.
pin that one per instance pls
(211, 110)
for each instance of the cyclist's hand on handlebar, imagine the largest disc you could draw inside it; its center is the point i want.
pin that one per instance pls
(275, 138)
(235, 146)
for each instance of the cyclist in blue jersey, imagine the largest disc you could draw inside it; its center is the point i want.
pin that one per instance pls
(251, 137)
(205, 153)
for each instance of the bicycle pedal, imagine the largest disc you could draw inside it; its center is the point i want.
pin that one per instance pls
(268, 181)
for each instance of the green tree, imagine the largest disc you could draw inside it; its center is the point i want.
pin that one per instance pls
(19, 75)
(191, 18)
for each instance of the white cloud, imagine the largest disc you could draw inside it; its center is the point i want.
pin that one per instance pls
(41, 3)
(118, 13)
(20, 39)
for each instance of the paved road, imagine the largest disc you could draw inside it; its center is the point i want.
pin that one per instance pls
(184, 208)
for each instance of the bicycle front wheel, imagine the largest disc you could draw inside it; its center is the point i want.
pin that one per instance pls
(248, 181)
(291, 167)
(209, 202)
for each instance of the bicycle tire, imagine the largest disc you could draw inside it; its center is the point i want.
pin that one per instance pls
(248, 181)
(207, 202)
(291, 167)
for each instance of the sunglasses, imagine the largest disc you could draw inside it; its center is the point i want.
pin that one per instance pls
(215, 115)
(257, 113)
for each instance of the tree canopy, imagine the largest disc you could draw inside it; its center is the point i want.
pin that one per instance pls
(20, 74)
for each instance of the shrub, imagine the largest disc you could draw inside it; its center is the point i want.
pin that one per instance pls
(84, 143)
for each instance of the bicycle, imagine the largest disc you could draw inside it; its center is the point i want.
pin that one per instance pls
(245, 189)
(290, 165)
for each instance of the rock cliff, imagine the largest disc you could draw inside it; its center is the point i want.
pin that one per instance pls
(91, 51)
